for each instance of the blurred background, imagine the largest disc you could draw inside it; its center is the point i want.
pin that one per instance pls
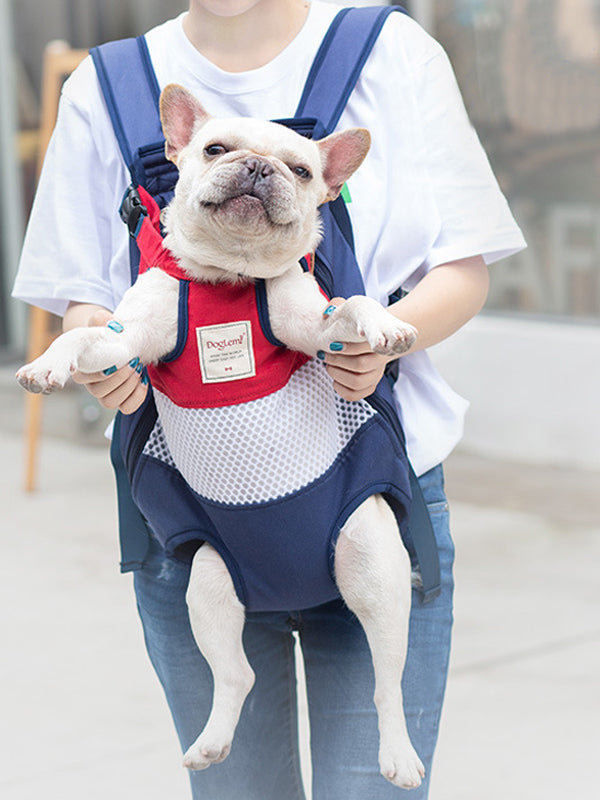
(528, 70)
(524, 696)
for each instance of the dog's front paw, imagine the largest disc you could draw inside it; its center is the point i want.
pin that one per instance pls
(388, 337)
(362, 319)
(41, 377)
(401, 766)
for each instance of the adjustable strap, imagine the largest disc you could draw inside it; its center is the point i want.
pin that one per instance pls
(424, 542)
(339, 61)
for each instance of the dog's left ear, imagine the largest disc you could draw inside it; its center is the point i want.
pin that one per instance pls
(181, 115)
(341, 155)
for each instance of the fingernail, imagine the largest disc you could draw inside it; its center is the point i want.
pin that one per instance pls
(109, 371)
(134, 362)
(336, 346)
(115, 326)
(328, 311)
(321, 355)
(139, 368)
(144, 380)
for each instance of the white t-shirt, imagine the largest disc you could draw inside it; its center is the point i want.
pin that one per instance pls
(425, 194)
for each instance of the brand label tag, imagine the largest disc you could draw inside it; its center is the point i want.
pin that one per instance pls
(226, 352)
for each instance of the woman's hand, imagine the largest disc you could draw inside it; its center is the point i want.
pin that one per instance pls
(123, 389)
(356, 369)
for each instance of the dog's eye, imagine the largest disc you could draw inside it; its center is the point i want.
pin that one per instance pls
(302, 172)
(212, 150)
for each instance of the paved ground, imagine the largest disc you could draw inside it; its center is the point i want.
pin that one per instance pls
(83, 717)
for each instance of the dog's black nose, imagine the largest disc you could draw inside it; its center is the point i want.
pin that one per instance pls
(257, 168)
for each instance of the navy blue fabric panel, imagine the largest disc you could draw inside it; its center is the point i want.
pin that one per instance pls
(171, 506)
(155, 173)
(124, 74)
(282, 548)
(339, 62)
(132, 527)
(337, 271)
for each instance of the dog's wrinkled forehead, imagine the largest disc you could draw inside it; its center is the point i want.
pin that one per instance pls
(260, 137)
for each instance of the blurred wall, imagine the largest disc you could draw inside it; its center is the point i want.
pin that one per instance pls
(82, 23)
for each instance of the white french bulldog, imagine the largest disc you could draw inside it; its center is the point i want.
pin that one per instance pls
(245, 207)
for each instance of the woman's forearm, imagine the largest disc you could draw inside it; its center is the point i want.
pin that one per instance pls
(80, 315)
(444, 300)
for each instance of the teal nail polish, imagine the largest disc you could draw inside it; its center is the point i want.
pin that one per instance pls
(336, 346)
(139, 368)
(321, 355)
(329, 311)
(144, 380)
(134, 362)
(109, 371)
(115, 326)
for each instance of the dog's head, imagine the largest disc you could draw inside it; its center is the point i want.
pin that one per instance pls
(247, 198)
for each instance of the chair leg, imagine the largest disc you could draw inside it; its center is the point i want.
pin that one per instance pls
(33, 426)
(39, 338)
(59, 62)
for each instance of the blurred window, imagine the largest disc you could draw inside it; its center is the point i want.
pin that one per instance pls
(529, 71)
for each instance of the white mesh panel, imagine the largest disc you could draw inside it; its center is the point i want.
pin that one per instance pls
(266, 448)
(157, 446)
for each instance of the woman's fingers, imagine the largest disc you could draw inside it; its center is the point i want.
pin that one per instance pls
(123, 389)
(355, 368)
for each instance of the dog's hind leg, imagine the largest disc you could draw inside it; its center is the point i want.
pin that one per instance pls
(217, 619)
(372, 570)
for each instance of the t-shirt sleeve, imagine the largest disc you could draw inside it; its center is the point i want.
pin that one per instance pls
(72, 243)
(474, 214)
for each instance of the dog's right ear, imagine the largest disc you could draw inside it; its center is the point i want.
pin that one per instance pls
(181, 116)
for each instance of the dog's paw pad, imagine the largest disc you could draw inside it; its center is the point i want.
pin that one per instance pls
(403, 770)
(203, 755)
(388, 337)
(40, 380)
(404, 337)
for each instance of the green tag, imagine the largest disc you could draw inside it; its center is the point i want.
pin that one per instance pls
(346, 194)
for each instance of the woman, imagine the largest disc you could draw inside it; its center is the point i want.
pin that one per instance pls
(428, 217)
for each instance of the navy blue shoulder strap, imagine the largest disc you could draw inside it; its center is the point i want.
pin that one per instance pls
(131, 93)
(339, 62)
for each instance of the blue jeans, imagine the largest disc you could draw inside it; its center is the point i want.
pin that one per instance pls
(264, 761)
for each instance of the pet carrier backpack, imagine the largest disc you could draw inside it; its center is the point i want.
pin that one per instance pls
(277, 542)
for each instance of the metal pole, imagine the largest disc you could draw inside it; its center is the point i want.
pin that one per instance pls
(11, 213)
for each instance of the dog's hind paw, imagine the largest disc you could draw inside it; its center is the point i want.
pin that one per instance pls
(403, 770)
(202, 754)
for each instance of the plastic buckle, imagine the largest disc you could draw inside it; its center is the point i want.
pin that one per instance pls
(132, 211)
